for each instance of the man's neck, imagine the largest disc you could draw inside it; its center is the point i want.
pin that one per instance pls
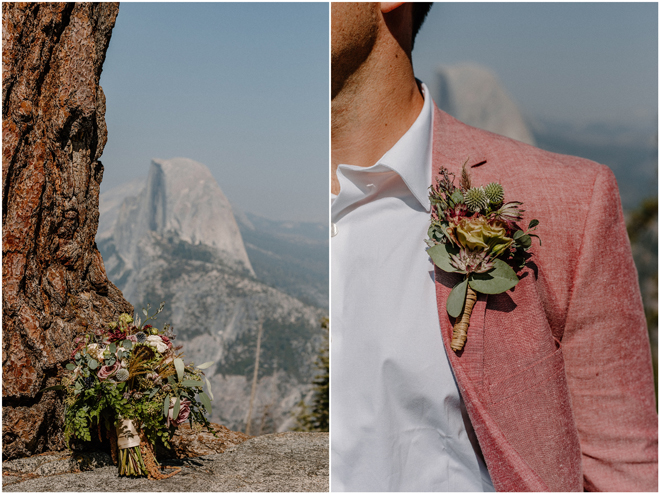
(375, 108)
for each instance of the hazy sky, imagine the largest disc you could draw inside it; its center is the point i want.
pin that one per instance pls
(241, 88)
(565, 61)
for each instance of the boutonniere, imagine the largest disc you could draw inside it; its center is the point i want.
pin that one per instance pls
(474, 232)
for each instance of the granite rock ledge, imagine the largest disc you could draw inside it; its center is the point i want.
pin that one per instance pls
(287, 461)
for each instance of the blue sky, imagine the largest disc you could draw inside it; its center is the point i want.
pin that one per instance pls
(241, 88)
(563, 61)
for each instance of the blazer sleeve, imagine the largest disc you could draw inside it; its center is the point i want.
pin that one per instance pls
(607, 354)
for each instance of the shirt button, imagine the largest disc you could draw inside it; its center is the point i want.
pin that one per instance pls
(333, 230)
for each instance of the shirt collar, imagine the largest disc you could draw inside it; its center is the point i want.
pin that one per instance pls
(411, 156)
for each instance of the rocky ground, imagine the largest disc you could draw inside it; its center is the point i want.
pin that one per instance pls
(289, 461)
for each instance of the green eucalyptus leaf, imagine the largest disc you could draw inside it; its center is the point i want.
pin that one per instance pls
(112, 348)
(208, 386)
(456, 299)
(153, 392)
(177, 406)
(532, 224)
(203, 397)
(525, 241)
(457, 197)
(500, 279)
(205, 365)
(440, 256)
(190, 383)
(70, 366)
(166, 405)
(179, 365)
(128, 344)
(518, 234)
(92, 363)
(534, 235)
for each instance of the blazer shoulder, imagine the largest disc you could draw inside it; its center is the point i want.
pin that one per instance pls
(514, 161)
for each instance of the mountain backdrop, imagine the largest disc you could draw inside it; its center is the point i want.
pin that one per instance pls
(174, 237)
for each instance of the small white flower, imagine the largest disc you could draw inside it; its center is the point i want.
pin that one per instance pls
(157, 342)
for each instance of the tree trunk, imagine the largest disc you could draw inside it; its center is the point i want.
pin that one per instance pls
(53, 277)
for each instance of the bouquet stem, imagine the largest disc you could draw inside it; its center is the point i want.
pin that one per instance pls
(131, 463)
(463, 321)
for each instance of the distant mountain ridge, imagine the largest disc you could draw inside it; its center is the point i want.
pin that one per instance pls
(291, 256)
(174, 238)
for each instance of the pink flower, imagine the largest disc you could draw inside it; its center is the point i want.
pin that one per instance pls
(107, 370)
(132, 338)
(184, 412)
(166, 340)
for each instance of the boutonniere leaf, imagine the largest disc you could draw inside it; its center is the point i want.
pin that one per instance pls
(440, 254)
(475, 233)
(456, 299)
(500, 279)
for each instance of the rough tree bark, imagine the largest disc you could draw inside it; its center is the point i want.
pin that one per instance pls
(53, 277)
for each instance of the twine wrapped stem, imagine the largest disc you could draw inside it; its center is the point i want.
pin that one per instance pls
(463, 321)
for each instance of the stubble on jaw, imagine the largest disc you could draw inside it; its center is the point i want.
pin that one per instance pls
(354, 30)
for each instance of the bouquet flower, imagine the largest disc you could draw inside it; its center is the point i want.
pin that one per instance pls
(474, 232)
(131, 378)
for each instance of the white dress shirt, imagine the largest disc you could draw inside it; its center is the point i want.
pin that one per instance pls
(398, 420)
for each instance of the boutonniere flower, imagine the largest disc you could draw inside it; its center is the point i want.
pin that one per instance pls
(474, 232)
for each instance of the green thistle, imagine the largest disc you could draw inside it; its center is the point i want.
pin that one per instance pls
(494, 193)
(475, 199)
(122, 375)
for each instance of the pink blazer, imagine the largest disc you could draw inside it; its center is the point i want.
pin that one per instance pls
(556, 375)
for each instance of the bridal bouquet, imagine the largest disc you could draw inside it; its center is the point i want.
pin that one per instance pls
(131, 378)
(474, 232)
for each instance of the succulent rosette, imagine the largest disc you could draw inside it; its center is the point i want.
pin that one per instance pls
(474, 232)
(130, 376)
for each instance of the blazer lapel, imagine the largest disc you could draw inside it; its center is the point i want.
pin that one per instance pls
(508, 470)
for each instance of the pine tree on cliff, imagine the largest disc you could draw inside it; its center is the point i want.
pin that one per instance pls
(317, 417)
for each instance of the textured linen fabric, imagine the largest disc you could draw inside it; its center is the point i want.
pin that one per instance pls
(556, 374)
(398, 422)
